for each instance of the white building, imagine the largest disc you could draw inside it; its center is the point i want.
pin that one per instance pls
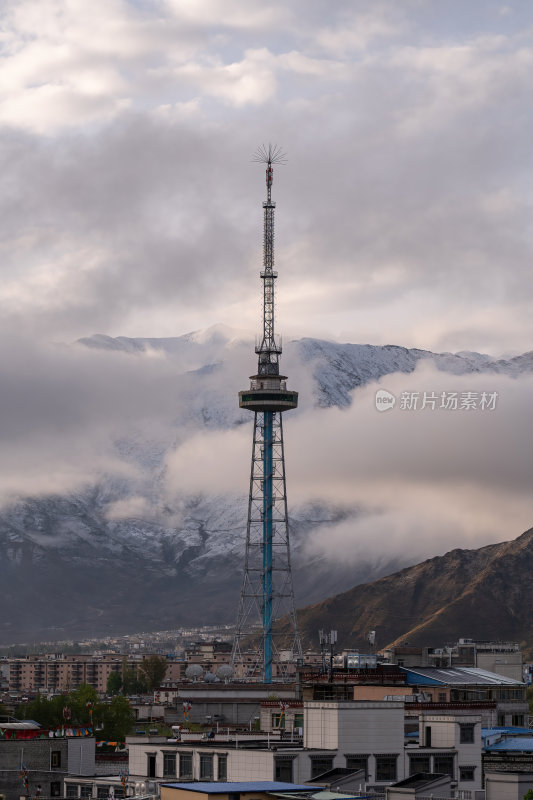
(449, 744)
(357, 735)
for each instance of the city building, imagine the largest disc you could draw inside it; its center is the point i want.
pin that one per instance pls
(347, 737)
(502, 658)
(501, 700)
(59, 672)
(27, 764)
(243, 790)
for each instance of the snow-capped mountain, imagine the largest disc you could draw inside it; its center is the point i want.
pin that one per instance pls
(122, 552)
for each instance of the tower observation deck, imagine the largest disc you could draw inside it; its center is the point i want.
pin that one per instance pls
(267, 592)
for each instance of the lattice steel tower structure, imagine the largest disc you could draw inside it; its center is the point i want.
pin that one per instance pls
(267, 592)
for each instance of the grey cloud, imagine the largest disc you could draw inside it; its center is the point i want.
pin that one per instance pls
(404, 195)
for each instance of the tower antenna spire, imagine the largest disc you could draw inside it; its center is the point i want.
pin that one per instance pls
(267, 591)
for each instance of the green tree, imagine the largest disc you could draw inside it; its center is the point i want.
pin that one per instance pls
(154, 669)
(132, 682)
(84, 705)
(118, 719)
(41, 710)
(528, 795)
(114, 683)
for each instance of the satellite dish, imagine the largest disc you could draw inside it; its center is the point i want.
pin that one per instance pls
(194, 671)
(224, 672)
(209, 677)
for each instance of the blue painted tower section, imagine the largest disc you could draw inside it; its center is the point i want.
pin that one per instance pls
(267, 546)
(267, 591)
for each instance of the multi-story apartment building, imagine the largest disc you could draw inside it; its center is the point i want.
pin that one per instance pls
(57, 672)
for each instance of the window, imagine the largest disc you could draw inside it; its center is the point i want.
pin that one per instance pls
(206, 767)
(169, 765)
(278, 720)
(222, 767)
(102, 792)
(298, 721)
(443, 764)
(501, 720)
(55, 759)
(283, 769)
(320, 764)
(518, 720)
(72, 790)
(419, 764)
(356, 762)
(427, 732)
(442, 697)
(55, 789)
(86, 791)
(467, 734)
(467, 773)
(386, 767)
(185, 765)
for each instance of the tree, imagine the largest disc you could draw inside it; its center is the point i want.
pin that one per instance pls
(48, 713)
(41, 710)
(154, 669)
(85, 707)
(118, 719)
(114, 683)
(132, 683)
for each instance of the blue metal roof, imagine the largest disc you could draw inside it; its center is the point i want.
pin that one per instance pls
(518, 744)
(210, 787)
(517, 731)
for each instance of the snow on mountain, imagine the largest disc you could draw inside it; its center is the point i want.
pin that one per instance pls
(122, 555)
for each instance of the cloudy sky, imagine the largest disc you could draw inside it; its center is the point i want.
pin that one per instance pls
(130, 206)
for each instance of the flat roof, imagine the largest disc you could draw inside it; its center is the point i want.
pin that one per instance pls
(210, 787)
(459, 676)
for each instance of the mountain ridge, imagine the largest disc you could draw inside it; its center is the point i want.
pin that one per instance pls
(181, 560)
(482, 593)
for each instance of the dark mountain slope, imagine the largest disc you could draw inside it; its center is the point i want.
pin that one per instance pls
(483, 594)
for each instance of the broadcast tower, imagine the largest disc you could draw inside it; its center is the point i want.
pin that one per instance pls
(267, 592)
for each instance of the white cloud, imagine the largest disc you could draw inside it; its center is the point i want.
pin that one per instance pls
(129, 207)
(250, 80)
(413, 483)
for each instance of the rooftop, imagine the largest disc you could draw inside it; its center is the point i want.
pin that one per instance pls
(517, 744)
(209, 787)
(458, 676)
(420, 779)
(337, 773)
(485, 732)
